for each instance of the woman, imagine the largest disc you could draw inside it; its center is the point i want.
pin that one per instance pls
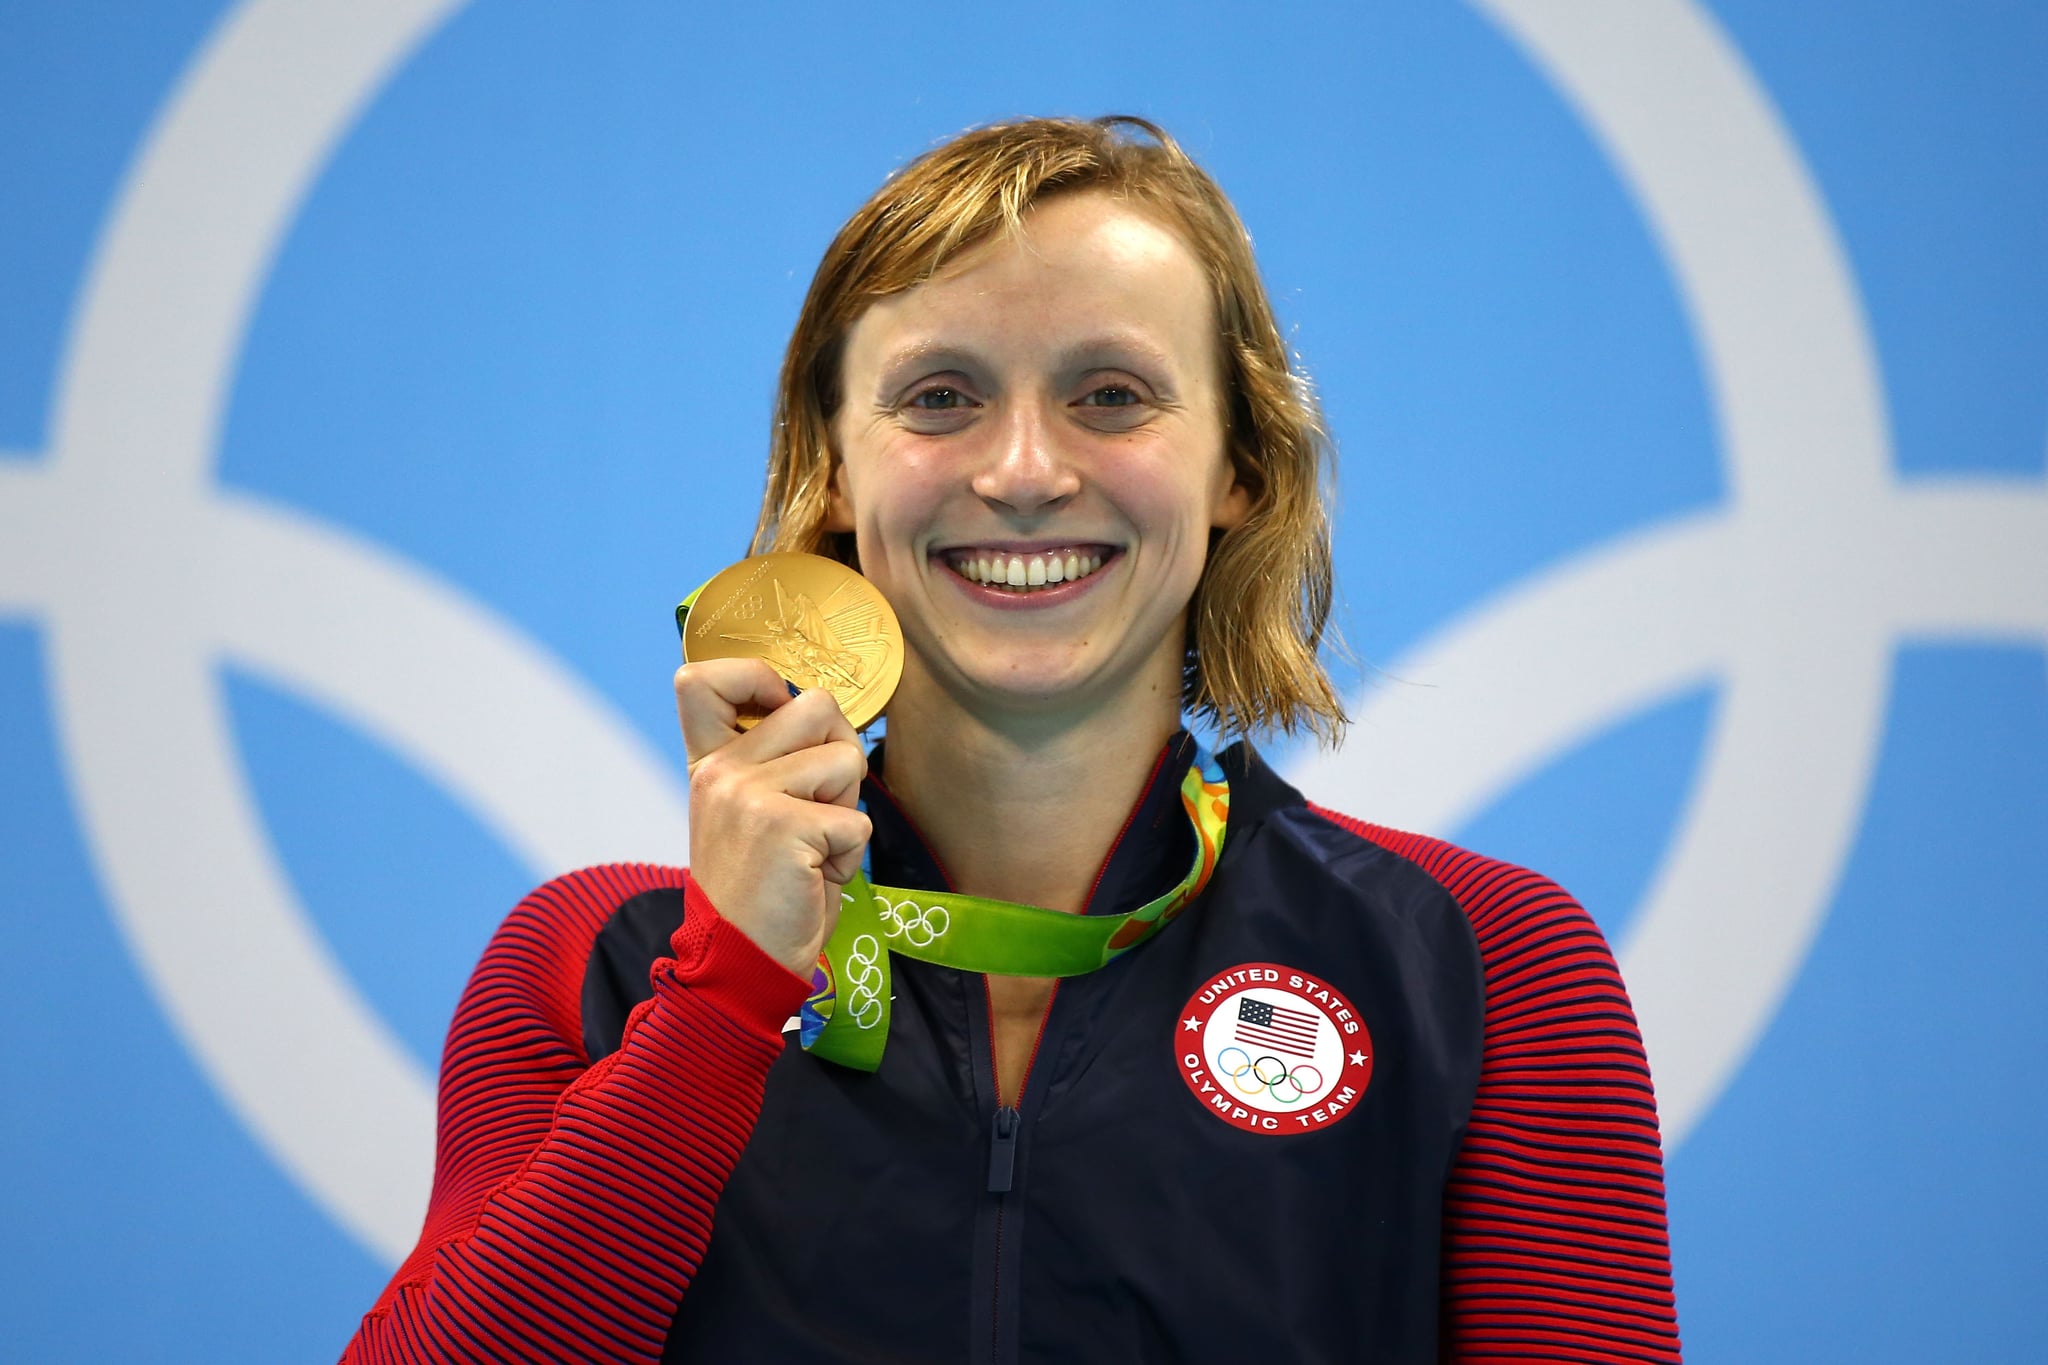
(1346, 1094)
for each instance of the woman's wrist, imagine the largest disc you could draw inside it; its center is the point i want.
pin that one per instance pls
(715, 957)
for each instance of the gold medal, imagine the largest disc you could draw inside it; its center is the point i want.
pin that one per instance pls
(815, 621)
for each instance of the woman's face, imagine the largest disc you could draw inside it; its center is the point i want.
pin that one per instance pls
(1032, 457)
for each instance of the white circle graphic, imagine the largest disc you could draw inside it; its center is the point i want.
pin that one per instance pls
(146, 575)
(1791, 597)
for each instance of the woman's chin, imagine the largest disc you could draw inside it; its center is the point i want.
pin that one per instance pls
(1033, 690)
(993, 673)
(1028, 687)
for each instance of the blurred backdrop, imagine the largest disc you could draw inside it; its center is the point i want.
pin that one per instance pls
(374, 377)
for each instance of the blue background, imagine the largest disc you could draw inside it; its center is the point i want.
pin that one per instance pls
(524, 333)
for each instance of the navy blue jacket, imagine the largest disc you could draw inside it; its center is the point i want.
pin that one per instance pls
(904, 1217)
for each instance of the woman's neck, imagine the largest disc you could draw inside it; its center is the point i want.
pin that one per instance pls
(1025, 812)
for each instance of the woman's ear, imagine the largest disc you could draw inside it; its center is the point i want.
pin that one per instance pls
(1234, 506)
(1236, 501)
(838, 509)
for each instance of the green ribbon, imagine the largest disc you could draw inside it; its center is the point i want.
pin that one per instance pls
(846, 1018)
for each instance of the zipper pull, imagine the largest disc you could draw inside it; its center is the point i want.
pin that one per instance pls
(1002, 1152)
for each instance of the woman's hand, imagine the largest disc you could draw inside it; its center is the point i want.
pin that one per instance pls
(775, 825)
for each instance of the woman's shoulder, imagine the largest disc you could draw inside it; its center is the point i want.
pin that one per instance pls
(589, 896)
(564, 915)
(1500, 900)
(1513, 910)
(537, 961)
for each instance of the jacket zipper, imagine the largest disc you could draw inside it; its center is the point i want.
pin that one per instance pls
(1007, 1126)
(1002, 1151)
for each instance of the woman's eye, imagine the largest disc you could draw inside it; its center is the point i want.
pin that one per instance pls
(1111, 396)
(939, 400)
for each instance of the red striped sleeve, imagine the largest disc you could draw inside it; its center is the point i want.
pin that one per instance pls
(572, 1203)
(1555, 1246)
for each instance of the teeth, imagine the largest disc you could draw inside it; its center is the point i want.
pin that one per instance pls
(1026, 571)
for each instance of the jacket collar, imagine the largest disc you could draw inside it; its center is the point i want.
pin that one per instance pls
(1149, 856)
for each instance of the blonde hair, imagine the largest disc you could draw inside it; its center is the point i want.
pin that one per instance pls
(1259, 613)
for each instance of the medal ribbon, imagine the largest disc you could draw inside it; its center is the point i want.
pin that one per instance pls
(846, 1018)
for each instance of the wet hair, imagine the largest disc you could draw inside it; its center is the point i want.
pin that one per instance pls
(1257, 619)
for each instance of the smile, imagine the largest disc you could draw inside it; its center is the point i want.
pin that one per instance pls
(1025, 571)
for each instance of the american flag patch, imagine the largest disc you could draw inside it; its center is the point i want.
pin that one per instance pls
(1276, 1028)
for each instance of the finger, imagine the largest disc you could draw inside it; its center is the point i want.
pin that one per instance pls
(840, 868)
(710, 693)
(835, 839)
(843, 842)
(828, 773)
(801, 722)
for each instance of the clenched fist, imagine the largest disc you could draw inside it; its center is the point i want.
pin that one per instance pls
(775, 825)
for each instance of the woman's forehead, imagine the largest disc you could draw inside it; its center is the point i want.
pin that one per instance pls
(1087, 230)
(1084, 274)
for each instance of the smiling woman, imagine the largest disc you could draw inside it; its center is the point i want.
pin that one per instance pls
(1151, 224)
(1179, 1067)
(1051, 395)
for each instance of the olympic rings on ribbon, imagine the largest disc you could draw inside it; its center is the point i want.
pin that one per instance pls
(1269, 1075)
(918, 925)
(863, 981)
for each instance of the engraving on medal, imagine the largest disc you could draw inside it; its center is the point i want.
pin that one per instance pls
(803, 644)
(813, 620)
(711, 618)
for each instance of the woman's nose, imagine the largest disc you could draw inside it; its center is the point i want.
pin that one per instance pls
(1029, 468)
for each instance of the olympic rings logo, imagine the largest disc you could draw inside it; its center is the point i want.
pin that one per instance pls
(1268, 1076)
(918, 925)
(367, 637)
(864, 981)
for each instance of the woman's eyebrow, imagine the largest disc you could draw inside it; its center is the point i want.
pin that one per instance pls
(1104, 350)
(924, 357)
(1114, 348)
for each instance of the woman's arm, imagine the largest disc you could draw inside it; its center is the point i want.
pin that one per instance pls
(1555, 1245)
(1554, 1226)
(572, 1203)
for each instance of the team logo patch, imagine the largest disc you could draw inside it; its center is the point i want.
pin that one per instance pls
(1269, 1049)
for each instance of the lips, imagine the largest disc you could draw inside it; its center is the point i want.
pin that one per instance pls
(1025, 570)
